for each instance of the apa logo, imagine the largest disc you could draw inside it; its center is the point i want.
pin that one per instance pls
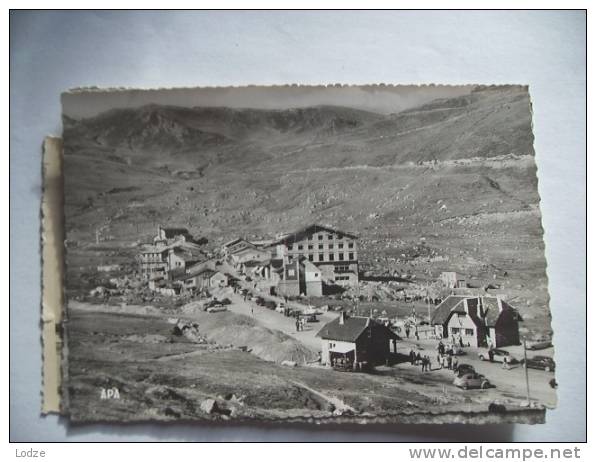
(110, 393)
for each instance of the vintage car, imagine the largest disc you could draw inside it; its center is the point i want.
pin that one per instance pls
(544, 363)
(498, 356)
(471, 380)
(462, 369)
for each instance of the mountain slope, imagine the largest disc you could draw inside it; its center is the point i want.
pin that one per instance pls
(457, 172)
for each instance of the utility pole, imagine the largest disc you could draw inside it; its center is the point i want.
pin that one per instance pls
(527, 377)
(428, 301)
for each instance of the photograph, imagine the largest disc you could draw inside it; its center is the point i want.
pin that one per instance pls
(320, 254)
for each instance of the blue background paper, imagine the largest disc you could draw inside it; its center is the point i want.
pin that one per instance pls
(53, 51)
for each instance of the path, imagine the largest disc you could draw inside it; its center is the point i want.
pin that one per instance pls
(337, 403)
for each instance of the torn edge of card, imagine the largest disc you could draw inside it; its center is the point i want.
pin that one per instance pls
(52, 248)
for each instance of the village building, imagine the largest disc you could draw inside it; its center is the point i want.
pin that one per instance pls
(183, 256)
(452, 280)
(478, 321)
(333, 252)
(300, 277)
(153, 262)
(248, 254)
(166, 236)
(236, 245)
(356, 341)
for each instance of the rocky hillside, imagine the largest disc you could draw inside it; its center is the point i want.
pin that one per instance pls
(447, 185)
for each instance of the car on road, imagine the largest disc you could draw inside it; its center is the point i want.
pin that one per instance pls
(462, 369)
(544, 363)
(471, 380)
(540, 345)
(269, 304)
(498, 356)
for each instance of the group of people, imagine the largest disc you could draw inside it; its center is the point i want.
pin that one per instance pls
(417, 359)
(300, 322)
(446, 357)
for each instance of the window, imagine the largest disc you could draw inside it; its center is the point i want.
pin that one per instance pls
(351, 256)
(330, 246)
(470, 332)
(351, 245)
(455, 330)
(316, 275)
(329, 236)
(331, 257)
(320, 236)
(311, 257)
(341, 256)
(290, 246)
(340, 246)
(342, 278)
(291, 272)
(300, 247)
(321, 257)
(309, 246)
(320, 246)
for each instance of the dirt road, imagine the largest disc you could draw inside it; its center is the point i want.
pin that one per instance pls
(511, 382)
(277, 321)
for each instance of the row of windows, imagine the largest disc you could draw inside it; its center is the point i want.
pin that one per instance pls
(321, 246)
(342, 278)
(330, 257)
(457, 330)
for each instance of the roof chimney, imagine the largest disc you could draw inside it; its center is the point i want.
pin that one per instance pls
(342, 318)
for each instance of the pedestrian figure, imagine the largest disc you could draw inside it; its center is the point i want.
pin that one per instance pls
(461, 342)
(412, 357)
(491, 355)
(418, 358)
(252, 310)
(297, 326)
(449, 362)
(428, 364)
(455, 364)
(416, 333)
(505, 362)
(440, 361)
(423, 363)
(407, 332)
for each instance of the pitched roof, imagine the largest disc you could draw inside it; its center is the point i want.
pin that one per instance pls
(349, 331)
(173, 232)
(308, 266)
(493, 313)
(443, 311)
(352, 329)
(311, 229)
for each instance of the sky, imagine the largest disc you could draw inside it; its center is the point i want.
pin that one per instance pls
(84, 103)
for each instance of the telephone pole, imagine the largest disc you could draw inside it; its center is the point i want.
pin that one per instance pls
(526, 371)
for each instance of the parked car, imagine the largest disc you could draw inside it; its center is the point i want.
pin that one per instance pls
(269, 304)
(281, 307)
(540, 345)
(471, 380)
(462, 369)
(498, 355)
(544, 363)
(260, 301)
(216, 309)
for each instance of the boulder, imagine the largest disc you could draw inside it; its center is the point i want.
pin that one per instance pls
(209, 406)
